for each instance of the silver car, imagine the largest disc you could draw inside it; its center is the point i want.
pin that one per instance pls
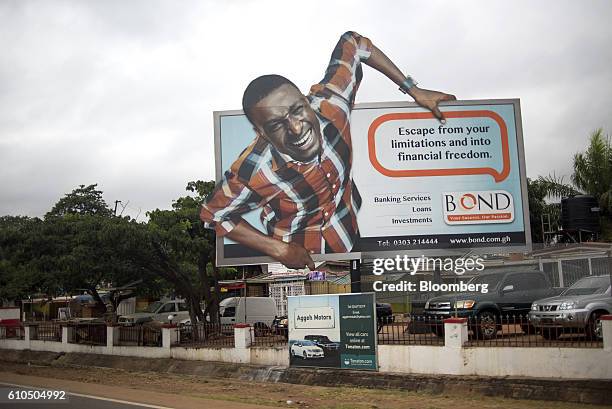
(579, 308)
(158, 311)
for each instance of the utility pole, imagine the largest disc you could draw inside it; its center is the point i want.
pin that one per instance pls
(116, 201)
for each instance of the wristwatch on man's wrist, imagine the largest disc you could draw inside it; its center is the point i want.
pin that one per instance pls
(408, 83)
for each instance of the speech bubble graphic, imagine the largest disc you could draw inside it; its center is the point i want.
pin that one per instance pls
(498, 176)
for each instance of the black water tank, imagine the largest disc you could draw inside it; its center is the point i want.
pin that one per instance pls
(580, 213)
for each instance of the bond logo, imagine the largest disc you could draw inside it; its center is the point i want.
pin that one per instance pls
(484, 207)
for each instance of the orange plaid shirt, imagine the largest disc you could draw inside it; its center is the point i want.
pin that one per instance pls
(311, 204)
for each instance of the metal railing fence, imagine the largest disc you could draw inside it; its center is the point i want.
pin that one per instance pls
(205, 335)
(88, 333)
(485, 330)
(412, 330)
(46, 331)
(268, 337)
(139, 335)
(517, 331)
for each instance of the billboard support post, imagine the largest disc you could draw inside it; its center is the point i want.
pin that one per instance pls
(355, 276)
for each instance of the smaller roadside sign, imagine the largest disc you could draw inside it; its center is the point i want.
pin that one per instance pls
(333, 331)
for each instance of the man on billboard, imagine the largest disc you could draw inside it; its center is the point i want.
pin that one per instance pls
(298, 168)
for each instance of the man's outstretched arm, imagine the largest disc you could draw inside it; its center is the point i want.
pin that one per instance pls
(425, 98)
(289, 254)
(343, 73)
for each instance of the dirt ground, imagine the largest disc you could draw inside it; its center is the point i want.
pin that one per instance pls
(267, 394)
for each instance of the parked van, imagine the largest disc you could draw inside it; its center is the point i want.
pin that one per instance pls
(257, 311)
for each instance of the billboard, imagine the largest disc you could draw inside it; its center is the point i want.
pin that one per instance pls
(418, 187)
(332, 331)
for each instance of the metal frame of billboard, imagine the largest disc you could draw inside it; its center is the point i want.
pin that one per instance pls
(515, 102)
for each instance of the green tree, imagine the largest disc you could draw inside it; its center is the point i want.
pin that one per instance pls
(79, 247)
(97, 252)
(84, 200)
(537, 205)
(593, 170)
(538, 191)
(592, 175)
(21, 244)
(184, 251)
(94, 247)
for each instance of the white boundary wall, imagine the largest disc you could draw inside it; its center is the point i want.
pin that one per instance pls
(567, 363)
(451, 359)
(455, 359)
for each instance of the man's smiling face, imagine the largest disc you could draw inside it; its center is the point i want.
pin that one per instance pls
(286, 120)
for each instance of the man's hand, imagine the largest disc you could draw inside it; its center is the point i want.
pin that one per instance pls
(290, 254)
(430, 99)
(295, 256)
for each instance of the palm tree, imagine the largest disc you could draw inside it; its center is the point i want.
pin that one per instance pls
(539, 190)
(555, 187)
(593, 170)
(592, 175)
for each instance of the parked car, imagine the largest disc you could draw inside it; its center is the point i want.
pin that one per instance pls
(306, 349)
(324, 342)
(509, 293)
(280, 326)
(579, 307)
(257, 311)
(158, 311)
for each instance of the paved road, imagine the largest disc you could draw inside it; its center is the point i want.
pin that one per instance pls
(71, 401)
(96, 396)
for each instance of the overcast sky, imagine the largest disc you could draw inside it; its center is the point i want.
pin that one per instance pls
(121, 93)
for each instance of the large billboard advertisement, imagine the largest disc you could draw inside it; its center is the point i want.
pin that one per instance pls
(332, 331)
(415, 186)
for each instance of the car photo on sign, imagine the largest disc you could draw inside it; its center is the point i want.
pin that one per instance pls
(323, 342)
(308, 352)
(306, 349)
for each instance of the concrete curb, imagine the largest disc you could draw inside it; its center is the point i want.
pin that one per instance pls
(581, 391)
